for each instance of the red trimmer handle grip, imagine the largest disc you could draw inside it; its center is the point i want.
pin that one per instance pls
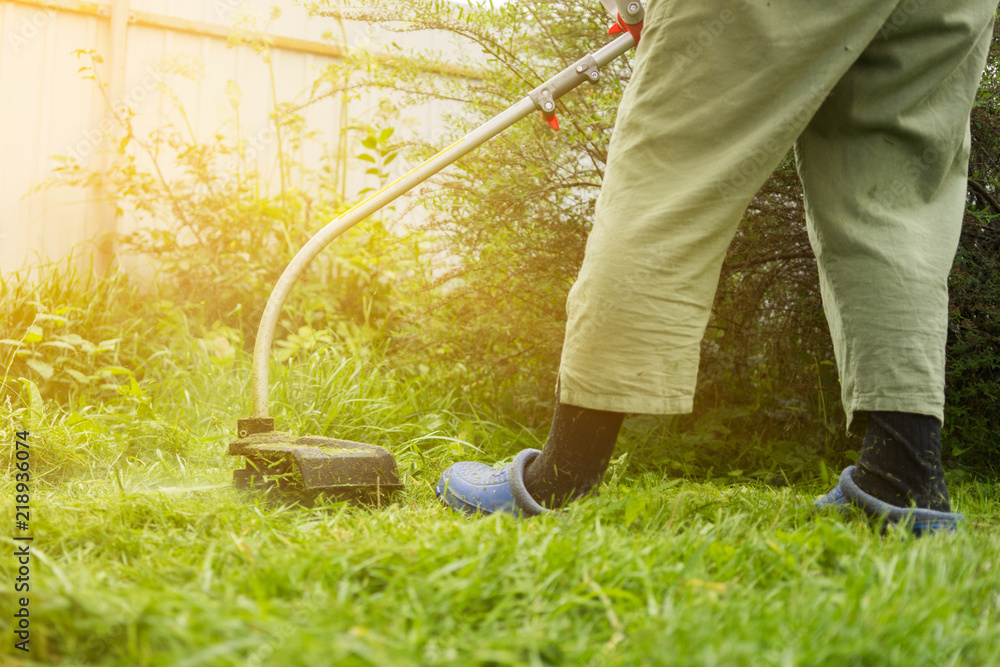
(635, 29)
(618, 28)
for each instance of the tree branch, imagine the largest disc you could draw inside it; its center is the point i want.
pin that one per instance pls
(981, 190)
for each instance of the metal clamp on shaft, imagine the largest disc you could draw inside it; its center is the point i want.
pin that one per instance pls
(587, 66)
(545, 96)
(543, 99)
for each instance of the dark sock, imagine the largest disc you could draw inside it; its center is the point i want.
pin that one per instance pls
(900, 461)
(575, 456)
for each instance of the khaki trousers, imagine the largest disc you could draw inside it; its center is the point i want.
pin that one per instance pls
(875, 96)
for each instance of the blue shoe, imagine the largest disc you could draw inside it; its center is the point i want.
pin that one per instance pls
(835, 499)
(920, 521)
(473, 487)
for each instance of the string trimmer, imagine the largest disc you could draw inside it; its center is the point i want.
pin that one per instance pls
(305, 467)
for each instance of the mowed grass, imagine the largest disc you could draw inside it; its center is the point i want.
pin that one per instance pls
(144, 554)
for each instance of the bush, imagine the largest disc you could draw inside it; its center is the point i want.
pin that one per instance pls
(973, 377)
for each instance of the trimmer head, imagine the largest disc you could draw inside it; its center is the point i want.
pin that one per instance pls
(303, 468)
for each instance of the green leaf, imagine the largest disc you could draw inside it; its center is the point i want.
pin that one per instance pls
(144, 411)
(81, 421)
(366, 157)
(133, 390)
(75, 418)
(34, 334)
(385, 134)
(79, 377)
(634, 509)
(113, 370)
(369, 142)
(59, 344)
(44, 317)
(72, 339)
(40, 367)
(32, 398)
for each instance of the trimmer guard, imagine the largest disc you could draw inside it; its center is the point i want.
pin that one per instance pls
(304, 468)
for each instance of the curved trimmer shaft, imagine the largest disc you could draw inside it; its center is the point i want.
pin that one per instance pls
(542, 99)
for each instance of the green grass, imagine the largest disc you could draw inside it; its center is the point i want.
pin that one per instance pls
(145, 555)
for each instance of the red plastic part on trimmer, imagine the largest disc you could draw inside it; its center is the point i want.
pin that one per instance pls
(621, 26)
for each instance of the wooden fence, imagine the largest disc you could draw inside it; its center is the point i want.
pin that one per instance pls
(47, 108)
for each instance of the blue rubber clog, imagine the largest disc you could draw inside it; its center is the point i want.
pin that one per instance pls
(920, 521)
(476, 488)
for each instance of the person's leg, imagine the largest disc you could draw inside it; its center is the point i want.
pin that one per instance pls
(884, 166)
(575, 456)
(718, 95)
(900, 461)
